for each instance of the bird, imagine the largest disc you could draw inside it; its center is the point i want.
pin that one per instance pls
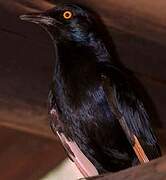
(94, 106)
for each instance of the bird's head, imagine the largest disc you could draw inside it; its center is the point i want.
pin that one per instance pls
(66, 22)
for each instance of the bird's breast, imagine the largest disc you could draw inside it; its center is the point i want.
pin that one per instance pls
(87, 110)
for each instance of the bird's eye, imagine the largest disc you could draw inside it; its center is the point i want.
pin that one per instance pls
(67, 15)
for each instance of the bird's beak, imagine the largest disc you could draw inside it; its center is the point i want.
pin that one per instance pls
(38, 18)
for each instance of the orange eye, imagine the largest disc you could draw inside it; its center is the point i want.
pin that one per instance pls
(67, 15)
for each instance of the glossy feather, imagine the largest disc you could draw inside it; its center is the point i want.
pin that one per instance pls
(84, 79)
(91, 91)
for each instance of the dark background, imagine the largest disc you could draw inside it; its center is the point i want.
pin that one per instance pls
(27, 61)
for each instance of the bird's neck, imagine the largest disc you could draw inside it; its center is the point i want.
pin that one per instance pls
(76, 67)
(74, 54)
(75, 61)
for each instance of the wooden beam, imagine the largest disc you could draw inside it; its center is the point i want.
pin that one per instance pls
(154, 170)
(25, 117)
(140, 17)
(26, 156)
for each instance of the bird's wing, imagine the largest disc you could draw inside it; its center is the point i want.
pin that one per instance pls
(74, 153)
(130, 111)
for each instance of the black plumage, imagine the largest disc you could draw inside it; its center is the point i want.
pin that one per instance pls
(90, 91)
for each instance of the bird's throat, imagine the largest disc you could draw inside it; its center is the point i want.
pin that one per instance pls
(75, 71)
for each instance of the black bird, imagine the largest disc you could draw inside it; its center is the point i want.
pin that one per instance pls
(95, 109)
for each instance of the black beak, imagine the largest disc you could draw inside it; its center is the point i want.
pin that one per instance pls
(38, 18)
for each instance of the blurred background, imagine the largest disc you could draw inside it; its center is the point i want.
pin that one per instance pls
(28, 149)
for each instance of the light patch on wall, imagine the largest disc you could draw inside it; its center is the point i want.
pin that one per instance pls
(67, 170)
